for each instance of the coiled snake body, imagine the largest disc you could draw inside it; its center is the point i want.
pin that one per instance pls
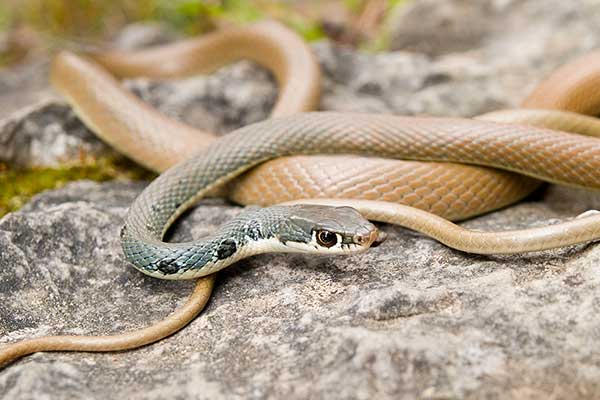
(124, 121)
(570, 160)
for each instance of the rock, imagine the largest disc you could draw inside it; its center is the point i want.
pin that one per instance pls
(544, 30)
(513, 43)
(443, 28)
(23, 85)
(45, 134)
(409, 319)
(142, 34)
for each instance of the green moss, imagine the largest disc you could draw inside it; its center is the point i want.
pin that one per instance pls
(309, 30)
(353, 5)
(381, 41)
(188, 16)
(5, 17)
(238, 11)
(87, 20)
(18, 186)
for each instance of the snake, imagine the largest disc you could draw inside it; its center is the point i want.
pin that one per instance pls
(496, 159)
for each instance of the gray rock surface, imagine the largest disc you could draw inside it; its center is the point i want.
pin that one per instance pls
(47, 133)
(23, 86)
(409, 319)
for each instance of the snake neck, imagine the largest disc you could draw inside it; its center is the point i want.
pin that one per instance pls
(254, 231)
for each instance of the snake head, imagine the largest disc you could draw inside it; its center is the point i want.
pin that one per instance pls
(326, 230)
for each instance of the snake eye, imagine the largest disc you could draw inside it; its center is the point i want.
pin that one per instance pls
(326, 238)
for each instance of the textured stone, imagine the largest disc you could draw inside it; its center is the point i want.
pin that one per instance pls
(494, 49)
(144, 34)
(22, 86)
(409, 319)
(46, 134)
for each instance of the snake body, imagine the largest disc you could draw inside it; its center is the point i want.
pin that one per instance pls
(124, 121)
(453, 191)
(570, 159)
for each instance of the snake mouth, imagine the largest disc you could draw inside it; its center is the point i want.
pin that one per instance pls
(380, 238)
(372, 239)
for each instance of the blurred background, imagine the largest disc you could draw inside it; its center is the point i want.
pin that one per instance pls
(30, 30)
(30, 26)
(409, 57)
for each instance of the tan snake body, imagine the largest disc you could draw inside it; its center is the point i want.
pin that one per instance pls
(115, 115)
(125, 122)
